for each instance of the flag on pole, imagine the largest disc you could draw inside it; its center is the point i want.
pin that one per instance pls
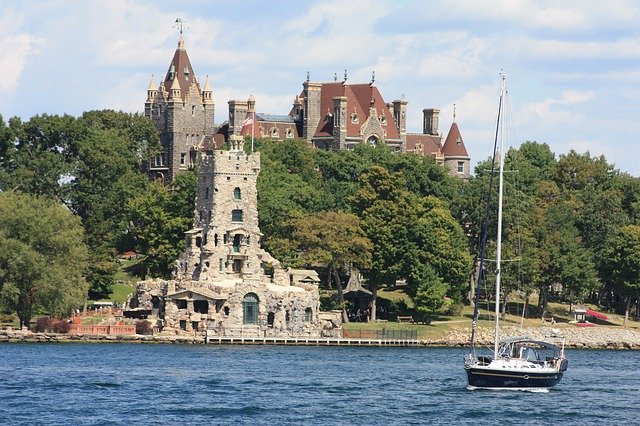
(248, 120)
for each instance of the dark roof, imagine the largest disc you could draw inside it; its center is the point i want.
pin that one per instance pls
(454, 145)
(274, 118)
(181, 62)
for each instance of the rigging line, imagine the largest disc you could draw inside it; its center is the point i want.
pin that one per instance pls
(518, 205)
(484, 237)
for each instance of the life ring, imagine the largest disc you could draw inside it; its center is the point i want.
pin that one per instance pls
(526, 377)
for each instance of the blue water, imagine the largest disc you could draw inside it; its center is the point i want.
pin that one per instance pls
(96, 384)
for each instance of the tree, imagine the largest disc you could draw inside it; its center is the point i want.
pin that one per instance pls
(624, 263)
(38, 156)
(430, 290)
(158, 219)
(563, 258)
(383, 208)
(334, 240)
(42, 257)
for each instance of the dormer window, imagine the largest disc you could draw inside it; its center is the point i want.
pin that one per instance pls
(172, 72)
(186, 73)
(354, 118)
(383, 119)
(274, 132)
(458, 140)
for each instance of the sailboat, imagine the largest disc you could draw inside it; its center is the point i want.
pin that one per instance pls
(516, 362)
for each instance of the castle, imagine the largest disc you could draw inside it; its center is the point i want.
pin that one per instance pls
(334, 115)
(220, 284)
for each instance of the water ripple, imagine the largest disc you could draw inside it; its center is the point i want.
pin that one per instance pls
(122, 384)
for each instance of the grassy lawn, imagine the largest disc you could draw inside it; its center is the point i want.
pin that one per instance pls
(442, 325)
(121, 290)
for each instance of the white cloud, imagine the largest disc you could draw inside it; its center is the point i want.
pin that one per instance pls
(564, 51)
(15, 52)
(16, 46)
(547, 114)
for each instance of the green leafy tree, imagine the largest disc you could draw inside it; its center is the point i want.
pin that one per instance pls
(42, 257)
(623, 253)
(437, 241)
(563, 258)
(158, 219)
(430, 290)
(286, 191)
(383, 207)
(38, 155)
(334, 240)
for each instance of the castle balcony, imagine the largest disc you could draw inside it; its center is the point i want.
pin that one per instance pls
(238, 252)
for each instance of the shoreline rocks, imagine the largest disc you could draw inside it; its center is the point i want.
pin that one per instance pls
(600, 337)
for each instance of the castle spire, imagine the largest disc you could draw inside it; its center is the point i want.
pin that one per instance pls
(152, 91)
(180, 68)
(174, 92)
(454, 113)
(207, 92)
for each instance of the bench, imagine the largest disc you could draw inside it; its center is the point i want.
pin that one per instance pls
(405, 319)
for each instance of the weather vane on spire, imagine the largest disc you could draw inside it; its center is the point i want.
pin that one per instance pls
(179, 24)
(454, 113)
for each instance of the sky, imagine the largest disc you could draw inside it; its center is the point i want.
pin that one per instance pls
(573, 67)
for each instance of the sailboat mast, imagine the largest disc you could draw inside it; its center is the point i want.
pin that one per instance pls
(499, 235)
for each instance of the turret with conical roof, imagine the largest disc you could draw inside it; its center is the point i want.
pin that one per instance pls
(455, 153)
(207, 92)
(183, 114)
(175, 92)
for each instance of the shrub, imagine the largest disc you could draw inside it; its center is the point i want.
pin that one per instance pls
(143, 327)
(454, 309)
(43, 324)
(61, 326)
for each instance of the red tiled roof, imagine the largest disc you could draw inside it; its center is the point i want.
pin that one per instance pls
(180, 61)
(430, 144)
(359, 98)
(454, 145)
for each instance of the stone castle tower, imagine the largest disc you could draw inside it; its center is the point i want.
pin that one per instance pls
(220, 285)
(183, 113)
(225, 240)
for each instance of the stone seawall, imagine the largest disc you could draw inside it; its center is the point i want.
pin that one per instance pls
(29, 337)
(600, 337)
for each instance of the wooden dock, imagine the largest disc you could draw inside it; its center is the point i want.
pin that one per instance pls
(310, 341)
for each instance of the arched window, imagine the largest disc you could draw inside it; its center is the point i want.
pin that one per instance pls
(271, 318)
(250, 309)
(373, 140)
(237, 194)
(308, 315)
